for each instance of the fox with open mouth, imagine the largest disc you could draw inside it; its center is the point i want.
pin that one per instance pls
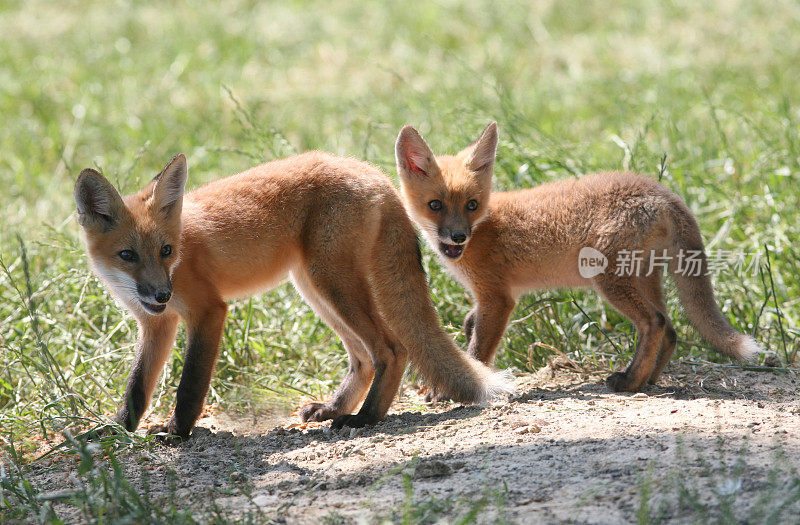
(501, 245)
(334, 225)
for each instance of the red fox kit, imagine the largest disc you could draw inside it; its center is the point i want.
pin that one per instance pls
(335, 225)
(503, 244)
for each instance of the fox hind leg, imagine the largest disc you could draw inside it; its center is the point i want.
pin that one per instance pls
(623, 294)
(651, 288)
(389, 359)
(354, 386)
(390, 364)
(353, 306)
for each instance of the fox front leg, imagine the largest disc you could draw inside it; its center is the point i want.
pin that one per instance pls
(469, 324)
(205, 333)
(489, 319)
(155, 339)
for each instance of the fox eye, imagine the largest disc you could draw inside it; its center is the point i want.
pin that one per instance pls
(435, 205)
(472, 205)
(166, 250)
(128, 255)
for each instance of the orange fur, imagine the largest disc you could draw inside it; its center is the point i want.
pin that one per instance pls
(334, 225)
(501, 245)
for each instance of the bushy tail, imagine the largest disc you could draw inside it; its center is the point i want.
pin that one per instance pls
(402, 296)
(696, 293)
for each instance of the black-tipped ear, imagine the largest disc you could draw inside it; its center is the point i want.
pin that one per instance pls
(170, 184)
(480, 154)
(412, 153)
(99, 203)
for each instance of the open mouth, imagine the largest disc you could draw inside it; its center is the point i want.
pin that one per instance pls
(153, 308)
(453, 251)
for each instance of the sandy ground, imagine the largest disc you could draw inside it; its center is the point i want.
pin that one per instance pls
(563, 449)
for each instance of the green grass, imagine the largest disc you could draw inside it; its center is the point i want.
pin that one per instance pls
(123, 86)
(428, 510)
(709, 486)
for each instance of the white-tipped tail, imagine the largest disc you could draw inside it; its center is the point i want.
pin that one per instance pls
(498, 385)
(748, 348)
(400, 291)
(697, 294)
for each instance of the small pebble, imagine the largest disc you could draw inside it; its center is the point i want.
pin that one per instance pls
(262, 500)
(432, 469)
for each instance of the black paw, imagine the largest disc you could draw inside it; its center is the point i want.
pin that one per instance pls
(105, 431)
(352, 421)
(619, 382)
(433, 396)
(126, 421)
(168, 434)
(318, 412)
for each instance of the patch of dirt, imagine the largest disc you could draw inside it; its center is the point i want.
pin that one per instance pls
(562, 449)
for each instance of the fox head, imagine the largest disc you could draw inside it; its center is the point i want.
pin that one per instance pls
(447, 196)
(134, 242)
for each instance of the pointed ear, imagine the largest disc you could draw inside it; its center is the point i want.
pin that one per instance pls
(169, 185)
(414, 157)
(479, 156)
(99, 203)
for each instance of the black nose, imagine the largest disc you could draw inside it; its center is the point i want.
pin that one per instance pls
(458, 238)
(163, 296)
